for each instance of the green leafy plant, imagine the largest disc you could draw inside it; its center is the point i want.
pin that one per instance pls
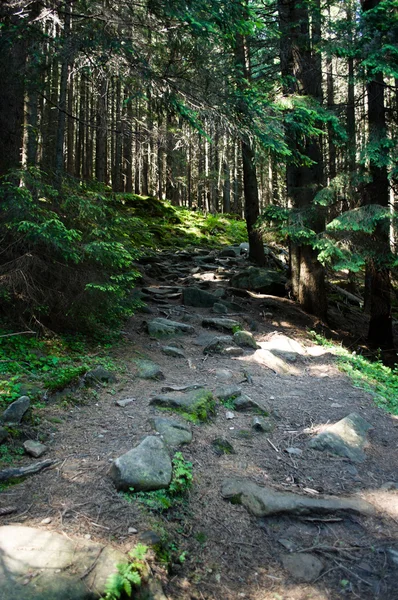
(129, 575)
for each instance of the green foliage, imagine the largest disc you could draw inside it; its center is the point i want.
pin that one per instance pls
(175, 495)
(71, 260)
(364, 219)
(35, 366)
(129, 575)
(9, 454)
(372, 376)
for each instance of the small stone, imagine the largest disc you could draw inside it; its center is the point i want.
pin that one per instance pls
(224, 374)
(132, 530)
(229, 415)
(174, 433)
(303, 566)
(35, 449)
(288, 544)
(233, 351)
(336, 405)
(124, 402)
(217, 345)
(294, 451)
(16, 410)
(262, 424)
(46, 521)
(173, 351)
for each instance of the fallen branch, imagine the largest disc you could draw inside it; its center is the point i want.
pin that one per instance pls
(18, 333)
(12, 473)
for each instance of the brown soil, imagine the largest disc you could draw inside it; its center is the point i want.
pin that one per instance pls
(230, 554)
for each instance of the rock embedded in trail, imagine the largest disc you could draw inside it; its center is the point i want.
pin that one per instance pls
(244, 402)
(174, 433)
(218, 344)
(262, 424)
(303, 566)
(221, 324)
(146, 467)
(163, 327)
(194, 296)
(263, 501)
(182, 388)
(43, 565)
(228, 392)
(260, 280)
(345, 438)
(149, 370)
(245, 338)
(198, 403)
(173, 351)
(222, 446)
(16, 410)
(125, 402)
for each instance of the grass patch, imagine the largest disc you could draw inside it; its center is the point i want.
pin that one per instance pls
(372, 376)
(36, 366)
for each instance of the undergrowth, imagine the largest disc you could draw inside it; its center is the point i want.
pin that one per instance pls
(372, 376)
(129, 576)
(36, 367)
(175, 495)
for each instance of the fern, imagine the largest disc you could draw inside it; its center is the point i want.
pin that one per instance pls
(128, 576)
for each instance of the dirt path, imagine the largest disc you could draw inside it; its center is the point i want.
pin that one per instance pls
(230, 554)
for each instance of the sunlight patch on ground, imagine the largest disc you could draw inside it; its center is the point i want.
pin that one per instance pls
(384, 501)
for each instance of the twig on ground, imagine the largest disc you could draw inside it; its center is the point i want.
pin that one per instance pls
(91, 567)
(272, 445)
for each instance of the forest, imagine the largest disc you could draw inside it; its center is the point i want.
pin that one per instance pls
(284, 112)
(198, 219)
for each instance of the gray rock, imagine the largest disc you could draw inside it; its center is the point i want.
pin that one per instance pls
(246, 403)
(194, 296)
(231, 252)
(195, 402)
(173, 351)
(262, 501)
(97, 375)
(245, 338)
(148, 370)
(217, 345)
(221, 324)
(261, 424)
(16, 410)
(124, 402)
(389, 486)
(174, 433)
(288, 544)
(144, 468)
(150, 538)
(303, 566)
(224, 374)
(163, 327)
(3, 434)
(260, 280)
(345, 438)
(220, 308)
(37, 564)
(294, 451)
(35, 449)
(228, 392)
(233, 351)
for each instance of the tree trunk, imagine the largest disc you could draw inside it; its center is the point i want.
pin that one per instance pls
(12, 65)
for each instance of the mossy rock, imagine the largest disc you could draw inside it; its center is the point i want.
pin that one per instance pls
(195, 405)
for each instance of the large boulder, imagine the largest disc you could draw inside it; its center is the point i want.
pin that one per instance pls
(264, 281)
(194, 296)
(43, 565)
(144, 468)
(198, 403)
